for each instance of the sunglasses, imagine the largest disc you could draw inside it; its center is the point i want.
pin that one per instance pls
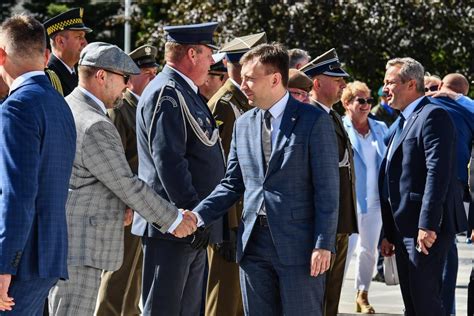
(432, 88)
(370, 101)
(126, 78)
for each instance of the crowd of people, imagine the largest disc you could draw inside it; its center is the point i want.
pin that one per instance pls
(224, 184)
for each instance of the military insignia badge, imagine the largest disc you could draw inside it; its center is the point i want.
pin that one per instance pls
(219, 123)
(200, 122)
(148, 50)
(208, 121)
(81, 12)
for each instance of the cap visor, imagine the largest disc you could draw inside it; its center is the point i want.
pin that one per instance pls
(80, 28)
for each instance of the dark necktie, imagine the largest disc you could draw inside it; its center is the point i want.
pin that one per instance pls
(398, 132)
(336, 119)
(267, 136)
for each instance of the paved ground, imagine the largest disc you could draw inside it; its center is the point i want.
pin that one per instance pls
(388, 300)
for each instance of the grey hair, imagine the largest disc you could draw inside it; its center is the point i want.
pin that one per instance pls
(410, 69)
(296, 56)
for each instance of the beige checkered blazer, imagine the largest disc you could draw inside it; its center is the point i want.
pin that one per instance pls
(100, 188)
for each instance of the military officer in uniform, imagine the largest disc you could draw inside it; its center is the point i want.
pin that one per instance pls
(67, 34)
(181, 157)
(299, 85)
(229, 102)
(216, 77)
(328, 83)
(119, 292)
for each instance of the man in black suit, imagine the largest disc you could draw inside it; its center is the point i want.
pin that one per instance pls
(421, 202)
(67, 34)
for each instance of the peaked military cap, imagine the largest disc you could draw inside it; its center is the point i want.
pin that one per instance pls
(298, 79)
(69, 20)
(236, 48)
(107, 56)
(145, 56)
(218, 65)
(326, 64)
(192, 34)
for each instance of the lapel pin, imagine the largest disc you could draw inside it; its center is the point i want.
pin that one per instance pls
(293, 119)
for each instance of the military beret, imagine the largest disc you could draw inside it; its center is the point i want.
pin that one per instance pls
(69, 20)
(297, 79)
(109, 57)
(218, 65)
(236, 48)
(145, 56)
(326, 64)
(200, 34)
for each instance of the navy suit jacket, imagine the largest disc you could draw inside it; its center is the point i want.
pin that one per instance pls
(420, 178)
(300, 187)
(38, 143)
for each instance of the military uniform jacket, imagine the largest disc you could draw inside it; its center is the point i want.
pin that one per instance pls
(175, 156)
(347, 223)
(124, 118)
(101, 187)
(68, 81)
(227, 104)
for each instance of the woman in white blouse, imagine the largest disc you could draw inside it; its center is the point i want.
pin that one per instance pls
(366, 135)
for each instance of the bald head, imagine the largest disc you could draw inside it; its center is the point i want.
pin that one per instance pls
(457, 83)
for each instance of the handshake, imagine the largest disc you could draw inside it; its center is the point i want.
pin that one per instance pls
(187, 226)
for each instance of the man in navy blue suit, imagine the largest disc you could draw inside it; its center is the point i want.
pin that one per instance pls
(419, 193)
(37, 146)
(284, 160)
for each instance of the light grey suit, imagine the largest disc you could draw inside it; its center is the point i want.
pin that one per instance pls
(102, 185)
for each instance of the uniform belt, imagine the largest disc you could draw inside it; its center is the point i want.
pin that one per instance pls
(262, 220)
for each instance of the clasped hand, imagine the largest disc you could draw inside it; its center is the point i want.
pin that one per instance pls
(187, 226)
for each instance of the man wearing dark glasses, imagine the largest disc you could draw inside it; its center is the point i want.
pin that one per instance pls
(102, 185)
(328, 84)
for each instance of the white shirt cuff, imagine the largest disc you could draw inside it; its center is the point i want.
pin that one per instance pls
(200, 221)
(176, 222)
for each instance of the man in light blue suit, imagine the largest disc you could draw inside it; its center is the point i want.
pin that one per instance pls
(284, 160)
(37, 146)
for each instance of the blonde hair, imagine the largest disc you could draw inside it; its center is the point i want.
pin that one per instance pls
(352, 89)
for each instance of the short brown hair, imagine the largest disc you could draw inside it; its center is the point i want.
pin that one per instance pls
(24, 36)
(274, 56)
(176, 51)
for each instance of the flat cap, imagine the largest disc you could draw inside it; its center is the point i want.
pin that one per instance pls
(236, 48)
(297, 79)
(218, 65)
(145, 56)
(107, 56)
(200, 34)
(69, 20)
(326, 64)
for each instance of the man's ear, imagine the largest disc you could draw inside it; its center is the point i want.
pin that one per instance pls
(3, 56)
(192, 54)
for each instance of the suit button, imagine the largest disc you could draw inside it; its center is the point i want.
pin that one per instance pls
(392, 181)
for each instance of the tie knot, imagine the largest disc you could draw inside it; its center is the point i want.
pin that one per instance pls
(267, 115)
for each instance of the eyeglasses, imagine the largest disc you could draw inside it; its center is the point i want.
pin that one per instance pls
(432, 88)
(126, 78)
(370, 101)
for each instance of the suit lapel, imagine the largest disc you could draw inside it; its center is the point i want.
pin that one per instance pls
(351, 133)
(288, 121)
(83, 98)
(409, 123)
(255, 136)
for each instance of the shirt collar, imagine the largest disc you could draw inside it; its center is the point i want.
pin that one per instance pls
(18, 82)
(189, 81)
(411, 107)
(277, 109)
(325, 108)
(71, 70)
(95, 99)
(134, 94)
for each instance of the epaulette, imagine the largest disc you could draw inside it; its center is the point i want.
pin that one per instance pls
(54, 79)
